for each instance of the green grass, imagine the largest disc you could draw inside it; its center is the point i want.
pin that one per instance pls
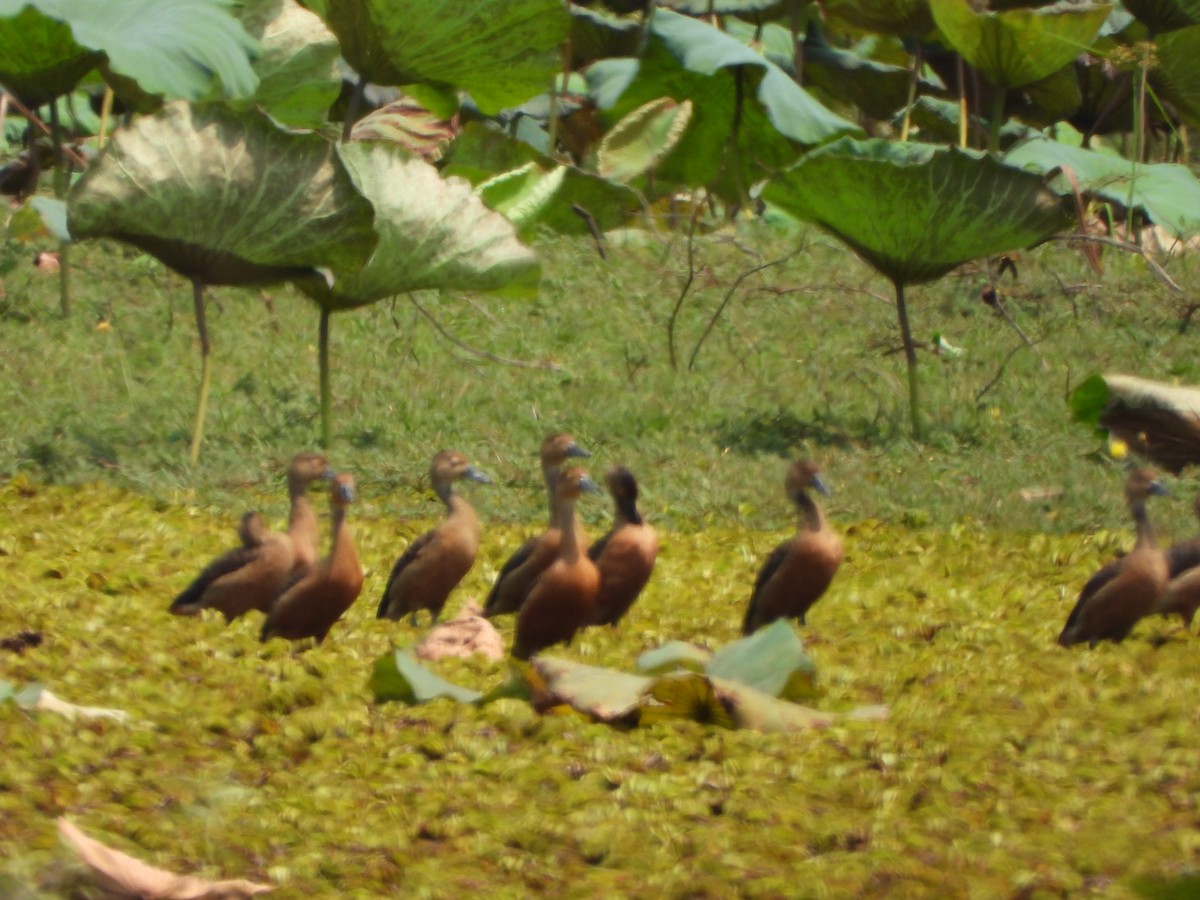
(1009, 767)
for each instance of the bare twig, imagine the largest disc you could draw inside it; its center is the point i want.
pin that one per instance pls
(592, 227)
(687, 286)
(1154, 267)
(729, 296)
(982, 392)
(482, 354)
(43, 128)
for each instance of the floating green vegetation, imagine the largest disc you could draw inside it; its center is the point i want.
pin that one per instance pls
(1005, 767)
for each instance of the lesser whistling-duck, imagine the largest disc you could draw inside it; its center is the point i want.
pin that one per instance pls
(304, 469)
(625, 556)
(1182, 596)
(799, 571)
(437, 561)
(248, 577)
(564, 598)
(310, 607)
(521, 571)
(1111, 611)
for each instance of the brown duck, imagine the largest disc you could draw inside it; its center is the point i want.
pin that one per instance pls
(305, 468)
(437, 561)
(1111, 611)
(248, 577)
(519, 574)
(626, 555)
(564, 598)
(311, 606)
(799, 571)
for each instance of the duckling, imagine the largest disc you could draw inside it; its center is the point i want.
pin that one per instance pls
(302, 528)
(248, 577)
(626, 555)
(799, 571)
(437, 561)
(1112, 610)
(311, 606)
(564, 598)
(518, 575)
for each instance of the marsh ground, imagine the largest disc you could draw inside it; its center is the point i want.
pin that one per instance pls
(1008, 767)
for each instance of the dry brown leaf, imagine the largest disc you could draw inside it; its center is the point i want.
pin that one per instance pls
(121, 875)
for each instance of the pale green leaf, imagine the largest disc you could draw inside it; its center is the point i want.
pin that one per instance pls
(398, 676)
(639, 141)
(772, 660)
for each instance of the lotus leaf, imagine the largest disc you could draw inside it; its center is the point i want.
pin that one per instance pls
(772, 661)
(604, 694)
(596, 35)
(639, 141)
(1161, 422)
(398, 676)
(914, 212)
(672, 656)
(297, 68)
(170, 47)
(1016, 47)
(501, 51)
(1169, 193)
(900, 17)
(1177, 77)
(687, 59)
(408, 124)
(39, 57)
(522, 194)
(1165, 15)
(224, 197)
(433, 233)
(685, 695)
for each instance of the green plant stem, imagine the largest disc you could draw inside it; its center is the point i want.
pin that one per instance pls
(61, 183)
(997, 119)
(326, 396)
(913, 79)
(910, 357)
(205, 372)
(1139, 139)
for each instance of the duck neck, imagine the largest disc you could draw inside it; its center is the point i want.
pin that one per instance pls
(627, 512)
(302, 521)
(811, 518)
(572, 534)
(342, 553)
(445, 493)
(550, 474)
(1145, 530)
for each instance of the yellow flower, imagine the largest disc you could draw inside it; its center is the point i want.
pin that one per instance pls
(1117, 448)
(103, 325)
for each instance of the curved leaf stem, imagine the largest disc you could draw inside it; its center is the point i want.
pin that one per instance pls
(205, 372)
(913, 78)
(910, 356)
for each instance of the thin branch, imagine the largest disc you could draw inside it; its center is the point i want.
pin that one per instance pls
(1154, 267)
(687, 286)
(712, 322)
(1004, 364)
(482, 354)
(43, 128)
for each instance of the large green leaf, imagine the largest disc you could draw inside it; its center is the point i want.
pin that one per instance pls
(750, 116)
(39, 58)
(481, 153)
(433, 232)
(1016, 47)
(913, 211)
(170, 47)
(501, 51)
(298, 79)
(398, 676)
(772, 660)
(224, 197)
(1165, 15)
(1168, 193)
(1177, 75)
(901, 17)
(599, 35)
(876, 88)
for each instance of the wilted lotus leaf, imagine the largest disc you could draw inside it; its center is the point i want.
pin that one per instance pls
(1160, 422)
(522, 194)
(916, 211)
(1165, 15)
(640, 140)
(398, 676)
(409, 124)
(772, 661)
(298, 79)
(673, 656)
(501, 51)
(122, 875)
(750, 708)
(1016, 47)
(434, 232)
(224, 197)
(604, 694)
(685, 695)
(1176, 77)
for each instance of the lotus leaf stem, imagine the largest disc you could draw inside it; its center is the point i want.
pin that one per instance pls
(997, 119)
(205, 372)
(61, 183)
(326, 396)
(910, 356)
